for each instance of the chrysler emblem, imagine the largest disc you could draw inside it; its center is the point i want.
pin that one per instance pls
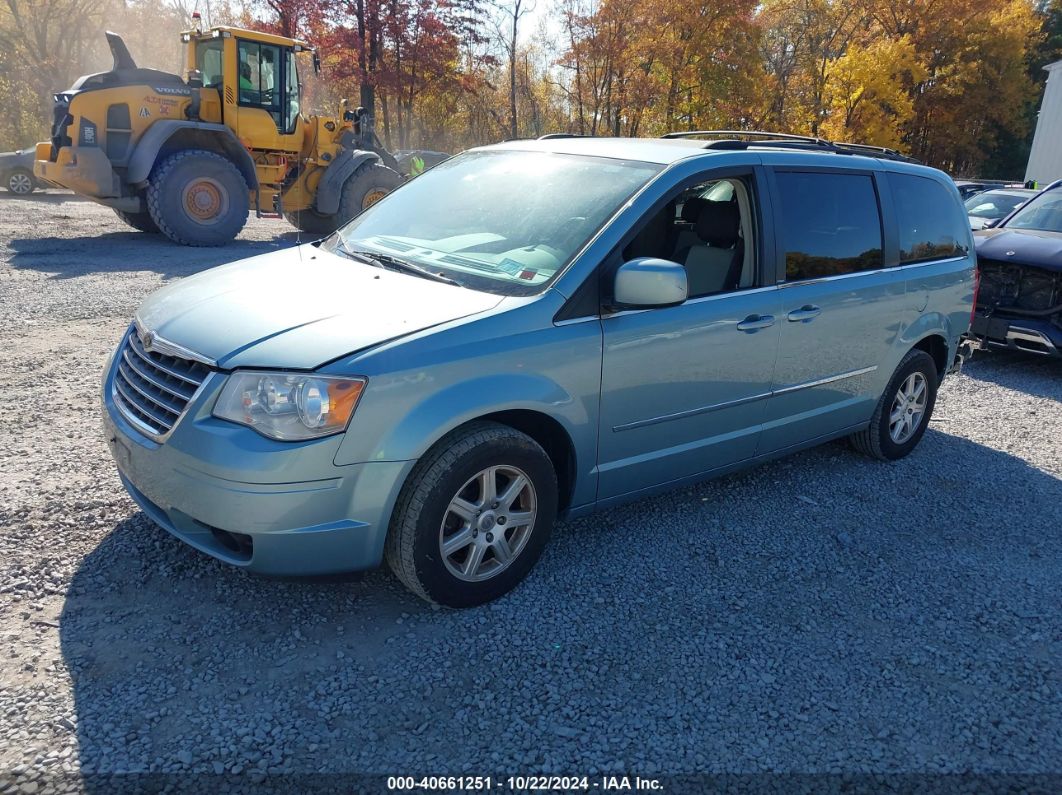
(155, 343)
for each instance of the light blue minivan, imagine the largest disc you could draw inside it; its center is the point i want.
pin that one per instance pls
(535, 330)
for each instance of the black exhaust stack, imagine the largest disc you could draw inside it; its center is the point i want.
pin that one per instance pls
(122, 59)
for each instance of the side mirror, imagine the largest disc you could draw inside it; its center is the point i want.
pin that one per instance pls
(649, 281)
(990, 223)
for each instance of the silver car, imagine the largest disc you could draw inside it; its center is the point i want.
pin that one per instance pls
(989, 207)
(536, 330)
(16, 172)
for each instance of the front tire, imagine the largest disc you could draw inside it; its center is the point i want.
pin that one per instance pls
(474, 516)
(902, 414)
(366, 186)
(142, 222)
(198, 198)
(20, 182)
(312, 222)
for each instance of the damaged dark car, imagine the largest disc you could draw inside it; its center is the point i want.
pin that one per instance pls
(1019, 305)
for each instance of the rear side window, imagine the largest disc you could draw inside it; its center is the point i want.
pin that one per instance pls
(829, 223)
(932, 226)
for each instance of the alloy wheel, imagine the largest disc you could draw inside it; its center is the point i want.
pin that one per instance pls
(908, 407)
(488, 523)
(20, 184)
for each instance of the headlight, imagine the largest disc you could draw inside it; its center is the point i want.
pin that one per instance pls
(289, 406)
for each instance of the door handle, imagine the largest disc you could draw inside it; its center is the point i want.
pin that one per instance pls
(755, 322)
(805, 314)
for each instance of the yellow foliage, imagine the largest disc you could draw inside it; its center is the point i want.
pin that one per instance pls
(866, 89)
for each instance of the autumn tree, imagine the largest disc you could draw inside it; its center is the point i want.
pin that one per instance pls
(866, 95)
(955, 83)
(974, 81)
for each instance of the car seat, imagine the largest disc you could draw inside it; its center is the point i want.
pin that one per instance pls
(713, 264)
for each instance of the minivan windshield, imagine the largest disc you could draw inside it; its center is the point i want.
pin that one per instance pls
(1043, 212)
(505, 222)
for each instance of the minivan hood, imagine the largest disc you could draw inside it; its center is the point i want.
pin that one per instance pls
(1023, 246)
(299, 308)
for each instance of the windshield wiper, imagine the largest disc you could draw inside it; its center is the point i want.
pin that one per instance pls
(387, 261)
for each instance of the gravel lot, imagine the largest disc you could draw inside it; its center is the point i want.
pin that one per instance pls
(825, 613)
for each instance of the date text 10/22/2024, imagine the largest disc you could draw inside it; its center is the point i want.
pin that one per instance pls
(523, 783)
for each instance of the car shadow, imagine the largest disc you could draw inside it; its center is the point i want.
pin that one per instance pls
(133, 251)
(180, 662)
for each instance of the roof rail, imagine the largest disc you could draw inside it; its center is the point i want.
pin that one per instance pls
(869, 148)
(789, 141)
(747, 133)
(549, 136)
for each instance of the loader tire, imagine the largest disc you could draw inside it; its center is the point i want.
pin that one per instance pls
(366, 186)
(142, 222)
(312, 222)
(198, 198)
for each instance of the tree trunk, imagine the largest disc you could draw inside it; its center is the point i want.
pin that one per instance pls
(512, 70)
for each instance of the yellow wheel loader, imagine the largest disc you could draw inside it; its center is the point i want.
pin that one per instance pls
(190, 158)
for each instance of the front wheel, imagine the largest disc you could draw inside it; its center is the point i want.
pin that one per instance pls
(20, 182)
(474, 516)
(366, 186)
(312, 222)
(902, 414)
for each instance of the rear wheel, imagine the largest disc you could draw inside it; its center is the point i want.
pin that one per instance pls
(21, 182)
(140, 221)
(198, 198)
(474, 516)
(902, 414)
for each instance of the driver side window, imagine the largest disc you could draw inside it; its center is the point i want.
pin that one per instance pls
(708, 229)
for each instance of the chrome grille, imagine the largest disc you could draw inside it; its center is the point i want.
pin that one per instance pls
(151, 389)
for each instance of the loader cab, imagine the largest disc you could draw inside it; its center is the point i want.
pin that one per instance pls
(257, 80)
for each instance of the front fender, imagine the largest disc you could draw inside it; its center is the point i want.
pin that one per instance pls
(411, 436)
(330, 188)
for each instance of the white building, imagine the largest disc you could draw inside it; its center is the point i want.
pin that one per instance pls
(1045, 159)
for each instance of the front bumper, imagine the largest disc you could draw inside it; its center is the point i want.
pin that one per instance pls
(1029, 334)
(270, 507)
